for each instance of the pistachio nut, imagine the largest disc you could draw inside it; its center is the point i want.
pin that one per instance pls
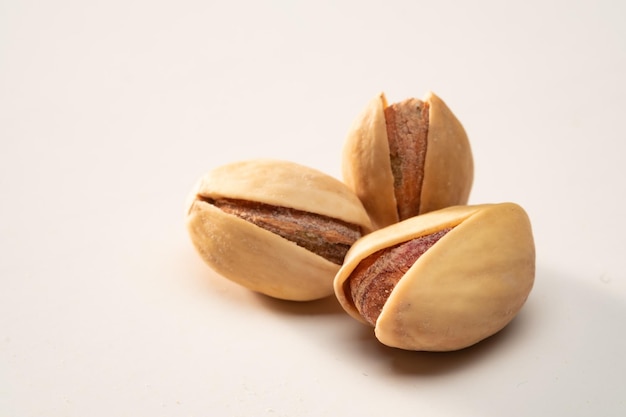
(407, 159)
(443, 280)
(275, 227)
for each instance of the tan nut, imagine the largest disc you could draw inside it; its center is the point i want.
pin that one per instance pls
(275, 227)
(441, 281)
(407, 158)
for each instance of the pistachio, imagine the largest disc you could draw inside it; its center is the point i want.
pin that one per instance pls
(407, 158)
(443, 280)
(275, 227)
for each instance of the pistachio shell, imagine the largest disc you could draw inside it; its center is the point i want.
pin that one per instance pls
(448, 166)
(466, 287)
(366, 166)
(257, 258)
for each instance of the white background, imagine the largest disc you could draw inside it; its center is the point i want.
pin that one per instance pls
(110, 110)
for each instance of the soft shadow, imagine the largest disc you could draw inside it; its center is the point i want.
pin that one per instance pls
(559, 307)
(528, 324)
(324, 306)
(202, 278)
(429, 363)
(407, 363)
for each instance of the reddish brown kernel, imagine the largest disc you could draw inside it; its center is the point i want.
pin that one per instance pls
(376, 276)
(325, 236)
(407, 132)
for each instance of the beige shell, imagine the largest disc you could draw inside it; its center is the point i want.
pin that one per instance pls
(448, 168)
(466, 287)
(254, 257)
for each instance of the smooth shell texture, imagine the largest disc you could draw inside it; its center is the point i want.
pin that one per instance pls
(449, 166)
(466, 287)
(286, 184)
(366, 166)
(254, 257)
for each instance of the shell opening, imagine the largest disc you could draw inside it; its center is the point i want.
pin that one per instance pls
(407, 132)
(325, 236)
(373, 280)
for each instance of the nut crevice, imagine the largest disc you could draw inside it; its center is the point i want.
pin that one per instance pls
(373, 280)
(325, 236)
(275, 227)
(407, 132)
(464, 288)
(407, 158)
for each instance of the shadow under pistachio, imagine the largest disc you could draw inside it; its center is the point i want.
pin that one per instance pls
(406, 362)
(564, 318)
(324, 306)
(360, 339)
(426, 363)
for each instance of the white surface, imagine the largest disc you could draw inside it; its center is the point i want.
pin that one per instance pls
(109, 111)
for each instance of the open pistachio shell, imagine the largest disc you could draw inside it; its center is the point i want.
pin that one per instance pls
(255, 257)
(467, 286)
(448, 167)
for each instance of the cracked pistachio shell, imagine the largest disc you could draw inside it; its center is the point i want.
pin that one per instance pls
(448, 166)
(466, 287)
(254, 257)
